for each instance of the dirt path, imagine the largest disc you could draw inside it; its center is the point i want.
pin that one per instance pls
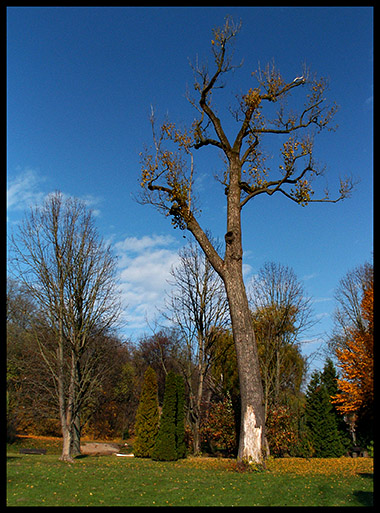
(100, 448)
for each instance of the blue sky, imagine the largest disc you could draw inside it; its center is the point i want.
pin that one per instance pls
(80, 85)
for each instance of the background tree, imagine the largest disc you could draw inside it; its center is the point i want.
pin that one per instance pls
(70, 273)
(282, 431)
(281, 311)
(226, 379)
(198, 307)
(168, 174)
(165, 448)
(321, 419)
(110, 405)
(218, 428)
(30, 388)
(180, 417)
(355, 359)
(147, 417)
(330, 380)
(162, 352)
(348, 314)
(111, 411)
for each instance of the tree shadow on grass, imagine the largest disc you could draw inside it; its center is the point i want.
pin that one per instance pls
(365, 498)
(369, 475)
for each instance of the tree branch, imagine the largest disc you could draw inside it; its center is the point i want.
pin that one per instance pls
(204, 242)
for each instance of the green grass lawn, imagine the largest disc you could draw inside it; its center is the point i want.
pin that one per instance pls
(43, 480)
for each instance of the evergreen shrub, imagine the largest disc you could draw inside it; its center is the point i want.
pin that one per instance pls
(165, 448)
(147, 417)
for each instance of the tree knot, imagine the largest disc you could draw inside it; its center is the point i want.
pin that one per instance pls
(229, 237)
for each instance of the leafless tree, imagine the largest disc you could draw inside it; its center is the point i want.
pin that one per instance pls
(70, 273)
(281, 311)
(198, 307)
(348, 296)
(168, 183)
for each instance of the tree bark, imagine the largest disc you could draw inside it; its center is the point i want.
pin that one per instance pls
(252, 427)
(75, 442)
(66, 446)
(252, 446)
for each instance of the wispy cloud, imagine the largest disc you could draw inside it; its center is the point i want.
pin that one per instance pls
(144, 271)
(136, 245)
(321, 300)
(28, 188)
(24, 190)
(308, 277)
(322, 315)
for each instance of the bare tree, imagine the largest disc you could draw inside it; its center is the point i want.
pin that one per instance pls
(70, 273)
(281, 311)
(168, 174)
(348, 313)
(198, 306)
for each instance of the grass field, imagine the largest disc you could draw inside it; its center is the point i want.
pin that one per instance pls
(43, 480)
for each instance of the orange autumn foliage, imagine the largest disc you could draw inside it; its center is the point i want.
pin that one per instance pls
(356, 363)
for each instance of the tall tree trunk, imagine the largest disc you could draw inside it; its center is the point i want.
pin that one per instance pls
(76, 426)
(65, 411)
(252, 441)
(252, 427)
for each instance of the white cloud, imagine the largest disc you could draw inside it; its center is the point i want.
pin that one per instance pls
(24, 190)
(144, 265)
(136, 245)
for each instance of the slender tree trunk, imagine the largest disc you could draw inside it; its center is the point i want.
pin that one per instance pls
(277, 382)
(195, 416)
(76, 426)
(64, 402)
(66, 426)
(75, 443)
(66, 411)
(197, 423)
(196, 437)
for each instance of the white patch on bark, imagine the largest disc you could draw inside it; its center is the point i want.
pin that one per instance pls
(252, 438)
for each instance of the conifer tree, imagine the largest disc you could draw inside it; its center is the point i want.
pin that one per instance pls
(321, 419)
(330, 380)
(147, 417)
(165, 448)
(180, 418)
